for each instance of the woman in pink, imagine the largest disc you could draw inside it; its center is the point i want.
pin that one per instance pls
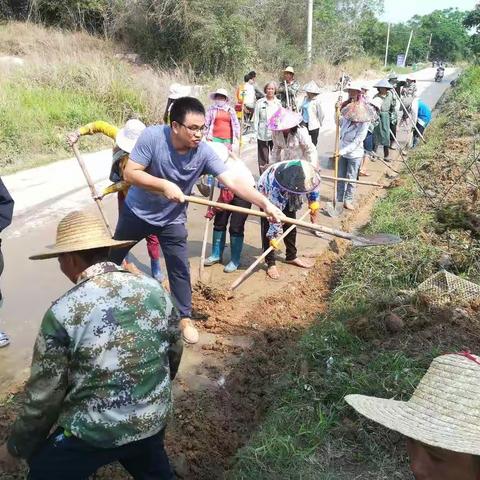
(221, 120)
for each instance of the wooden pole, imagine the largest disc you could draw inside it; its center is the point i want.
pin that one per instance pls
(386, 47)
(91, 185)
(337, 147)
(283, 219)
(252, 267)
(408, 48)
(201, 267)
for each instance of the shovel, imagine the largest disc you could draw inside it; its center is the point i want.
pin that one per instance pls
(379, 239)
(334, 208)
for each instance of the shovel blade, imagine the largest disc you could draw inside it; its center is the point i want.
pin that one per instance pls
(334, 210)
(376, 240)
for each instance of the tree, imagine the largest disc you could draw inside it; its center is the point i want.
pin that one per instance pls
(472, 20)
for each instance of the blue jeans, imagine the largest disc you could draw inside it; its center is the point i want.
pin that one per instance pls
(173, 242)
(62, 458)
(347, 168)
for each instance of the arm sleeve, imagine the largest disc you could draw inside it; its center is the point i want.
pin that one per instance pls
(99, 127)
(308, 148)
(256, 117)
(320, 113)
(45, 389)
(235, 123)
(357, 141)
(142, 152)
(6, 206)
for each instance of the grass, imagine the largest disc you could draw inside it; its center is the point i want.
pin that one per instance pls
(310, 432)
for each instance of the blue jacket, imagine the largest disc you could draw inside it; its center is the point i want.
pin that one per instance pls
(424, 113)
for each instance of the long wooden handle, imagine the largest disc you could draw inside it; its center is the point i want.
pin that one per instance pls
(258, 213)
(350, 180)
(252, 267)
(337, 148)
(91, 185)
(201, 267)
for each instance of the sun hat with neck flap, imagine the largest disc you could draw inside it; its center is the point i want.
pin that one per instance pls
(444, 410)
(383, 83)
(80, 231)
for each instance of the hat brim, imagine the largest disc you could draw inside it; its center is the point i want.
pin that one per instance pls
(288, 179)
(419, 423)
(214, 94)
(126, 144)
(55, 252)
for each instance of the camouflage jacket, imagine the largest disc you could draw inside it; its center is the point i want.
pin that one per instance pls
(100, 365)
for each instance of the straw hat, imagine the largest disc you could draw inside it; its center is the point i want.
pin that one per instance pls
(219, 91)
(290, 70)
(128, 135)
(358, 112)
(444, 410)
(178, 90)
(353, 86)
(283, 119)
(311, 87)
(81, 231)
(383, 83)
(297, 176)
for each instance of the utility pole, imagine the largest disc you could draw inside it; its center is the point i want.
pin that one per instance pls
(408, 48)
(309, 33)
(386, 48)
(429, 46)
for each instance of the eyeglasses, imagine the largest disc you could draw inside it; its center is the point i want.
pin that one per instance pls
(194, 129)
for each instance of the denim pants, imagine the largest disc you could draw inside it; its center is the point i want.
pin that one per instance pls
(347, 168)
(173, 241)
(67, 457)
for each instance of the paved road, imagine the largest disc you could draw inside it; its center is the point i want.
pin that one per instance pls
(44, 195)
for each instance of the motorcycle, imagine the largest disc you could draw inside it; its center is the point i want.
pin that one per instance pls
(439, 75)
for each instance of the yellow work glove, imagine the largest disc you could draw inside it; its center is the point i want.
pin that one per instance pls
(314, 207)
(275, 244)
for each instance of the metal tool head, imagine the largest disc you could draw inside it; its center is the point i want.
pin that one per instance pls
(378, 239)
(334, 210)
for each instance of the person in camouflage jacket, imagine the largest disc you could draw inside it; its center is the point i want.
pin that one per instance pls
(102, 367)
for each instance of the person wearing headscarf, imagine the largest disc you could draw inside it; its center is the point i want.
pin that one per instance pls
(287, 185)
(221, 122)
(311, 110)
(439, 422)
(264, 109)
(388, 116)
(354, 122)
(223, 218)
(291, 141)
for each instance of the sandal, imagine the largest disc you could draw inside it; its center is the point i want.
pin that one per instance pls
(272, 272)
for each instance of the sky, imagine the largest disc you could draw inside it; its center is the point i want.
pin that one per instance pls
(402, 10)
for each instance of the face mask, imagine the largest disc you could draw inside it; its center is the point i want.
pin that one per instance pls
(220, 103)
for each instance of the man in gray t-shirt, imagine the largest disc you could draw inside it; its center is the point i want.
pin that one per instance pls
(163, 167)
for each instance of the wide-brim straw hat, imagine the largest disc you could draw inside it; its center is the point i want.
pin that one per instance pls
(219, 91)
(128, 135)
(383, 83)
(444, 410)
(297, 176)
(353, 86)
(81, 231)
(311, 87)
(283, 119)
(358, 112)
(290, 70)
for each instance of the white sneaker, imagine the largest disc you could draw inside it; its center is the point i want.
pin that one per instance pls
(4, 339)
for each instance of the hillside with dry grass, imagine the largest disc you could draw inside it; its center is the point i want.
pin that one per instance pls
(66, 80)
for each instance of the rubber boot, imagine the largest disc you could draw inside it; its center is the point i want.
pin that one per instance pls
(218, 245)
(157, 273)
(236, 247)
